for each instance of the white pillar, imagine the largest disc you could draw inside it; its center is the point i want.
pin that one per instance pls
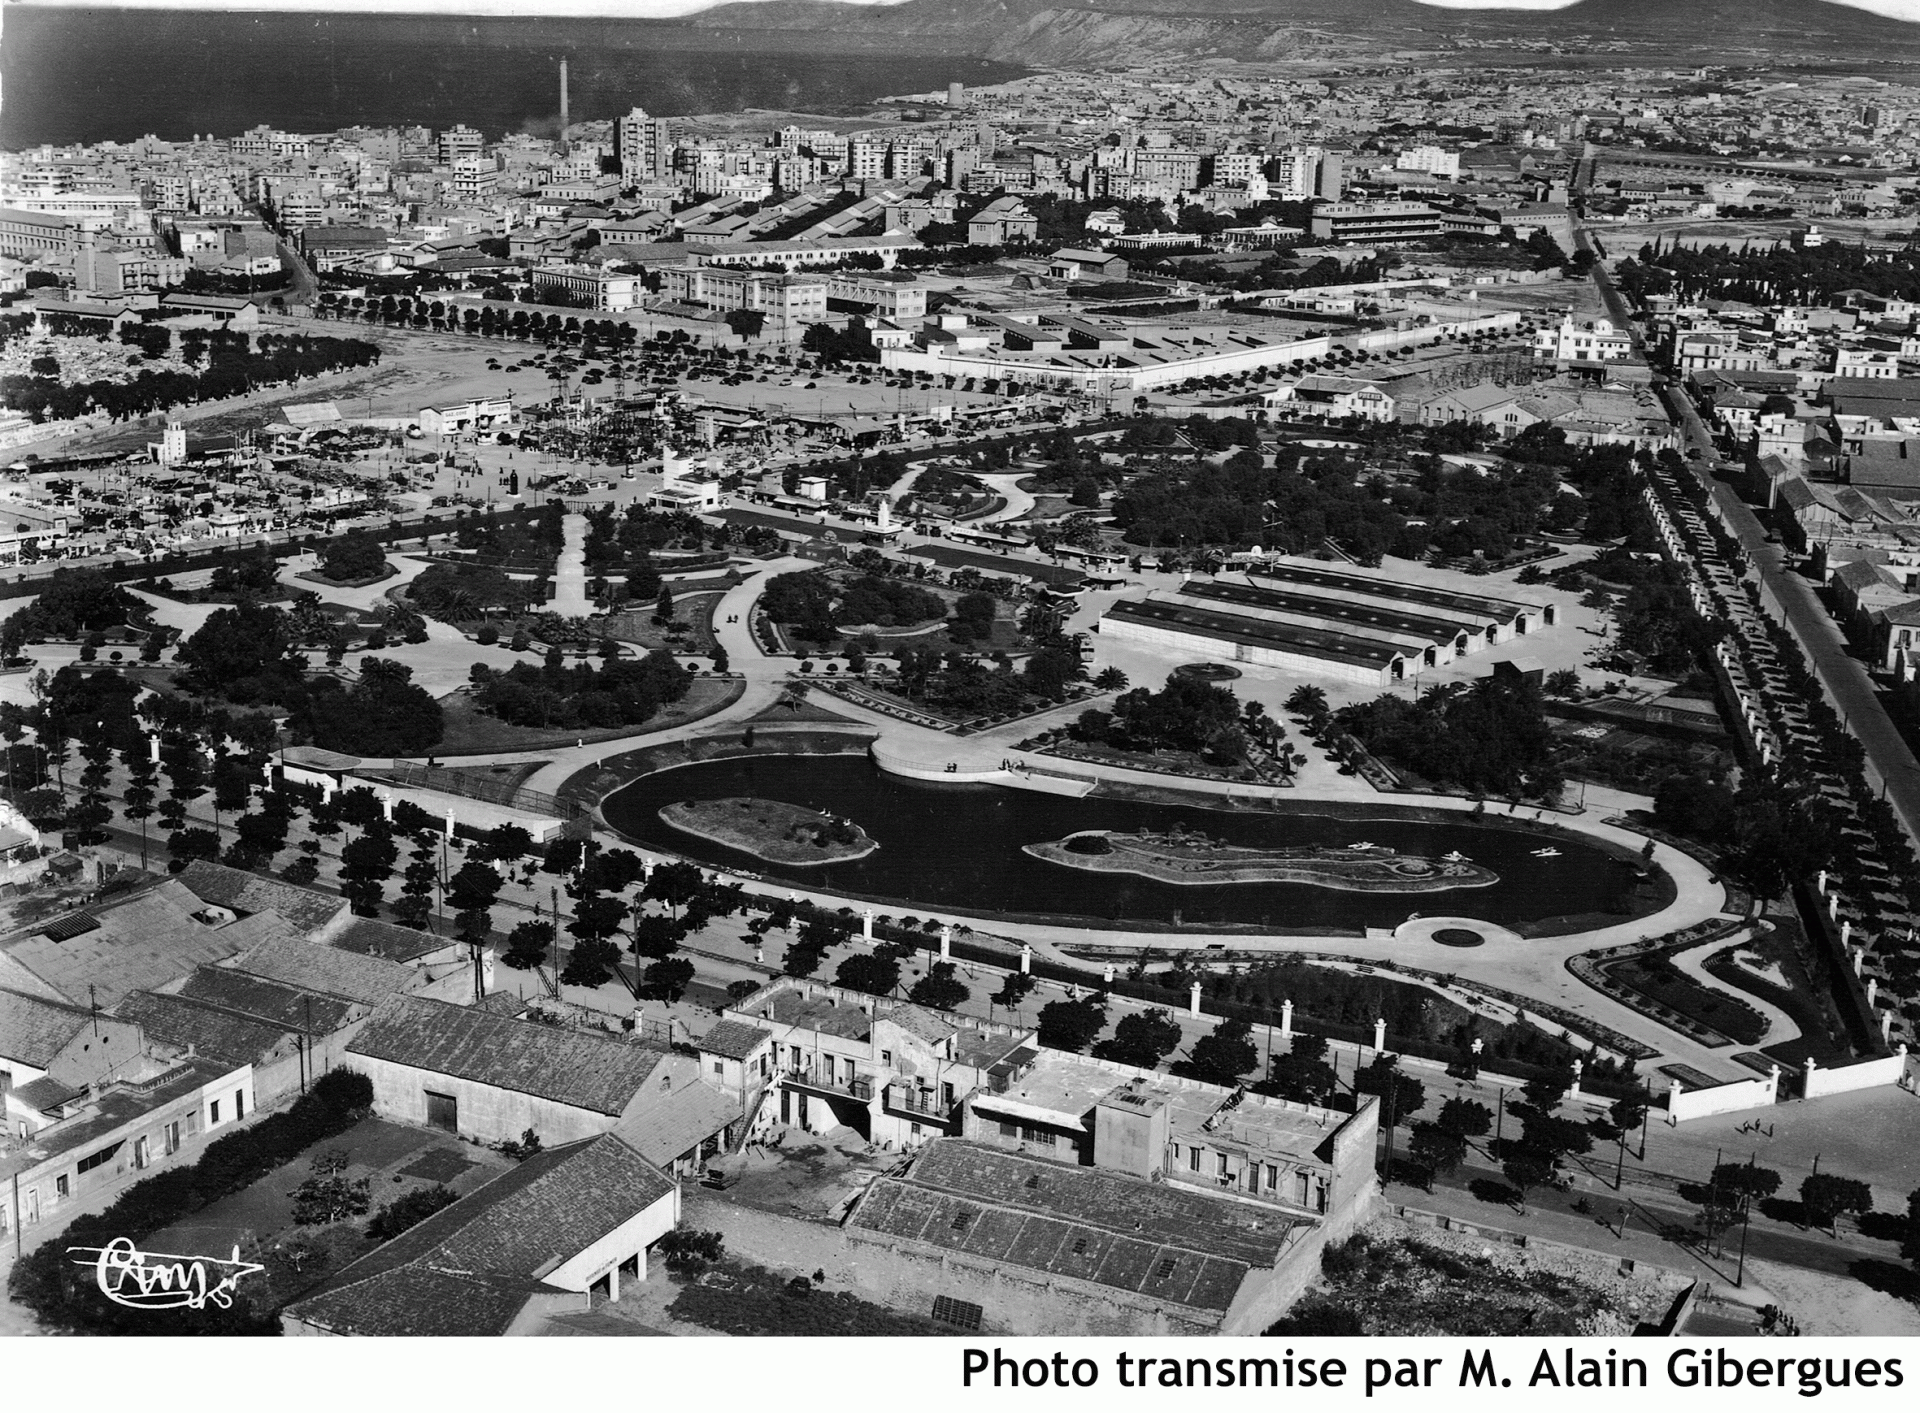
(1478, 1046)
(1846, 933)
(386, 805)
(1806, 1079)
(1821, 883)
(866, 925)
(1026, 957)
(946, 941)
(1673, 1100)
(1380, 1035)
(1873, 989)
(1833, 906)
(1578, 1067)
(1859, 959)
(1193, 1000)
(1773, 1084)
(1886, 1026)
(1107, 978)
(449, 824)
(153, 752)
(1286, 1019)
(1766, 754)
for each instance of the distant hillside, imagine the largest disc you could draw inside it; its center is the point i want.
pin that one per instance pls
(1130, 31)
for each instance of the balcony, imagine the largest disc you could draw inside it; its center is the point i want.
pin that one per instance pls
(921, 1103)
(860, 1087)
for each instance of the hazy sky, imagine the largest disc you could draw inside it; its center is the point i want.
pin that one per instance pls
(640, 9)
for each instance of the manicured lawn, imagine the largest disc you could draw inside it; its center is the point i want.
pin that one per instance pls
(695, 610)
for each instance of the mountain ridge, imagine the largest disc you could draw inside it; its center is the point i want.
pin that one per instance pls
(1105, 32)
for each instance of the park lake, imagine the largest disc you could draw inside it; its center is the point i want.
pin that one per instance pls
(963, 848)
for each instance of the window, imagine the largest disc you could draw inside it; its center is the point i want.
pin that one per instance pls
(1223, 1165)
(142, 1151)
(1166, 1269)
(1037, 1135)
(1008, 1130)
(886, 1058)
(193, 1123)
(170, 1136)
(962, 1314)
(720, 1067)
(60, 1187)
(239, 1105)
(1273, 1177)
(94, 1160)
(213, 1114)
(1193, 1160)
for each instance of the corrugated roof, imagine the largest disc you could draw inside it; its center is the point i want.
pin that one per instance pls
(373, 938)
(318, 967)
(33, 1030)
(143, 941)
(180, 1021)
(469, 1269)
(570, 1067)
(291, 1007)
(681, 1120)
(245, 892)
(734, 1040)
(1186, 1248)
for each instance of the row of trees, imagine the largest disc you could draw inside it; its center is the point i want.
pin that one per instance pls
(231, 371)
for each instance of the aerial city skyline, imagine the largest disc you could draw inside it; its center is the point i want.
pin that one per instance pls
(1154, 675)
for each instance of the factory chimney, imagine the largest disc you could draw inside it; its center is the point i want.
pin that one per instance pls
(563, 106)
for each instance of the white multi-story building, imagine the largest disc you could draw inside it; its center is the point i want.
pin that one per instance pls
(643, 146)
(1435, 160)
(609, 293)
(1596, 342)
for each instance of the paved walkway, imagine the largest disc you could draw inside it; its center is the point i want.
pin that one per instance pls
(1007, 487)
(570, 573)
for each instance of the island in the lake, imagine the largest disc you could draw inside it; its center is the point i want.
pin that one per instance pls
(1194, 858)
(772, 830)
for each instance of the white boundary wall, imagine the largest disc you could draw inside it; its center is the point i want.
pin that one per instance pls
(1898, 1068)
(1683, 1105)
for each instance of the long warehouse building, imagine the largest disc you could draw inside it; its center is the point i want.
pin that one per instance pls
(1307, 618)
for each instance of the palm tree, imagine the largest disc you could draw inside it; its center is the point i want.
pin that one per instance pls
(1307, 700)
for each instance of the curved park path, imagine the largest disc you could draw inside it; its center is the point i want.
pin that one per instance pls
(1534, 968)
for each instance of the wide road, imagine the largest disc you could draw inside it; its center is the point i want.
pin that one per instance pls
(1891, 766)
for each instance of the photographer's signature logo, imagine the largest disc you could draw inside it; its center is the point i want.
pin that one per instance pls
(160, 1280)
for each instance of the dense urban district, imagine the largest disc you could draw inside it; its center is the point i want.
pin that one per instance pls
(801, 724)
